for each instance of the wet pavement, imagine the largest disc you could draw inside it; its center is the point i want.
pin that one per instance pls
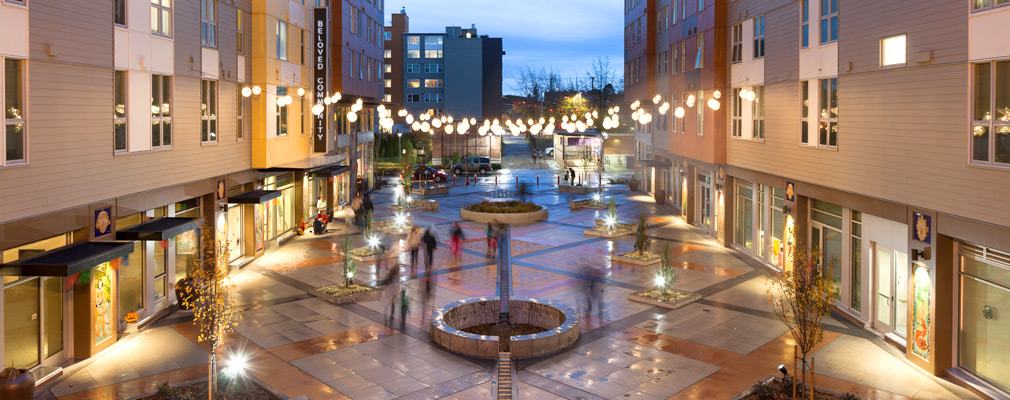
(300, 345)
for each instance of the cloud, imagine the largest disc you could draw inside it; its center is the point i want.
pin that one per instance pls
(566, 35)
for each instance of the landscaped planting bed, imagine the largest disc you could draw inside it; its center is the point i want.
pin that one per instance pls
(504, 207)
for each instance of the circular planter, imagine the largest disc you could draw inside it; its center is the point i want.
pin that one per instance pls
(448, 322)
(503, 218)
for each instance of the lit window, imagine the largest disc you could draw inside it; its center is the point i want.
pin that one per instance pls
(828, 115)
(208, 111)
(389, 53)
(414, 83)
(990, 128)
(388, 82)
(282, 40)
(239, 32)
(119, 109)
(388, 68)
(388, 98)
(892, 50)
(413, 47)
(699, 103)
(758, 112)
(161, 116)
(432, 83)
(161, 17)
(282, 113)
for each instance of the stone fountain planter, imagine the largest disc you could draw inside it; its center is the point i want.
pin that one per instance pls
(389, 226)
(561, 322)
(504, 218)
(619, 229)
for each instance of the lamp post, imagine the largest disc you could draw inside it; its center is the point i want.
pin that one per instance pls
(399, 143)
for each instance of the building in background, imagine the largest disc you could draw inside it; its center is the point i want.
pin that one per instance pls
(456, 73)
(211, 133)
(882, 146)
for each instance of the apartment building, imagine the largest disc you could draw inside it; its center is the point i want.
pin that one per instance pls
(876, 136)
(210, 132)
(456, 73)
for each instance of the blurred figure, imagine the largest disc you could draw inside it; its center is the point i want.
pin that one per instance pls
(457, 240)
(413, 243)
(593, 290)
(490, 237)
(359, 215)
(430, 243)
(392, 290)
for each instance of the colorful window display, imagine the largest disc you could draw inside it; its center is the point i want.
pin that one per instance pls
(922, 290)
(102, 280)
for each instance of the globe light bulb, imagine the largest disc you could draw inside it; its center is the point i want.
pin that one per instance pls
(256, 90)
(300, 91)
(352, 116)
(246, 92)
(679, 112)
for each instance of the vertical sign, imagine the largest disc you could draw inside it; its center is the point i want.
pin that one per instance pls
(319, 78)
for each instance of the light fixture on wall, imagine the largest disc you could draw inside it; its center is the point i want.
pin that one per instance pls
(924, 254)
(786, 209)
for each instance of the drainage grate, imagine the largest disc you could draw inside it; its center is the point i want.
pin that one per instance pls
(504, 376)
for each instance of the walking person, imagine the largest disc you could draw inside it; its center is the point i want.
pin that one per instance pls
(357, 211)
(413, 243)
(430, 243)
(392, 289)
(367, 206)
(573, 174)
(490, 236)
(593, 291)
(457, 240)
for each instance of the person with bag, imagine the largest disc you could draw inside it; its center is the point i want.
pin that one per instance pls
(414, 244)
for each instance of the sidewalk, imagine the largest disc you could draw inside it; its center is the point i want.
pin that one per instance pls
(301, 345)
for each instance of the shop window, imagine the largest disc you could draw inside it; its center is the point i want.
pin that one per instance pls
(160, 261)
(22, 328)
(208, 111)
(131, 271)
(161, 116)
(826, 239)
(856, 260)
(985, 292)
(236, 248)
(14, 122)
(187, 254)
(745, 216)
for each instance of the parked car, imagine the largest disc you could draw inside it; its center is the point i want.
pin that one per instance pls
(549, 152)
(481, 165)
(427, 173)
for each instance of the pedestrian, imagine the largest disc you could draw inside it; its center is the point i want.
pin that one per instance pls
(318, 227)
(457, 240)
(367, 205)
(430, 243)
(490, 235)
(566, 176)
(321, 206)
(404, 305)
(413, 243)
(357, 211)
(593, 291)
(534, 156)
(392, 290)
(348, 217)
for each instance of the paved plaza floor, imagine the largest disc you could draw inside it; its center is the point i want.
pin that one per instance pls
(302, 346)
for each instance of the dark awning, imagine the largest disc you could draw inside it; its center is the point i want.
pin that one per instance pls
(159, 229)
(254, 197)
(329, 171)
(67, 260)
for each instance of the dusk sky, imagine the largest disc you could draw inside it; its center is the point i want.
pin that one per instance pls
(567, 35)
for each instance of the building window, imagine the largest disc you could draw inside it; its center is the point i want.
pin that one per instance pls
(388, 53)
(662, 19)
(282, 40)
(282, 113)
(301, 35)
(413, 68)
(661, 63)
(432, 53)
(737, 113)
(856, 257)
(413, 83)
(239, 106)
(805, 23)
(805, 112)
(208, 23)
(388, 98)
(240, 41)
(387, 35)
(13, 105)
(737, 45)
(119, 110)
(676, 58)
(161, 116)
(119, 12)
(829, 21)
(388, 68)
(433, 47)
(984, 290)
(892, 50)
(433, 68)
(354, 20)
(991, 113)
(759, 37)
(758, 111)
(985, 4)
(699, 60)
(388, 82)
(828, 118)
(701, 5)
(432, 83)
(208, 111)
(414, 98)
(413, 47)
(433, 98)
(161, 17)
(699, 103)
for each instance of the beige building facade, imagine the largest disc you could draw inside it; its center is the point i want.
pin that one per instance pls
(132, 129)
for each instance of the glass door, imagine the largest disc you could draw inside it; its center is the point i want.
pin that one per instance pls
(704, 212)
(891, 270)
(828, 241)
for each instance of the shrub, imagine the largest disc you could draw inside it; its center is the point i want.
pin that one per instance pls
(504, 207)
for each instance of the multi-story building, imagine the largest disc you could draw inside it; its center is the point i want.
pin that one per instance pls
(870, 134)
(456, 73)
(211, 132)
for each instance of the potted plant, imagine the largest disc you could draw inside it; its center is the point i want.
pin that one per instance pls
(16, 384)
(633, 184)
(660, 196)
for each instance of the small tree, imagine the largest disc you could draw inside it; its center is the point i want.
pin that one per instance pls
(801, 297)
(210, 297)
(407, 178)
(612, 210)
(349, 267)
(666, 278)
(641, 240)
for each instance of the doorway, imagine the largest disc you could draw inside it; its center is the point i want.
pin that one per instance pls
(891, 299)
(704, 213)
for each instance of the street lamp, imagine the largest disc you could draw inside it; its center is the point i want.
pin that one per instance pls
(399, 144)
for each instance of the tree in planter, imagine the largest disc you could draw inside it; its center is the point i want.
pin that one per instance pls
(801, 297)
(641, 240)
(612, 212)
(666, 279)
(349, 267)
(210, 297)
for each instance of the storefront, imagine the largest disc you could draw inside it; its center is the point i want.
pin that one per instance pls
(259, 223)
(706, 208)
(983, 337)
(760, 223)
(278, 216)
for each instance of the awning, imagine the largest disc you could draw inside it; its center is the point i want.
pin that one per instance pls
(254, 197)
(159, 229)
(329, 171)
(307, 164)
(655, 164)
(67, 260)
